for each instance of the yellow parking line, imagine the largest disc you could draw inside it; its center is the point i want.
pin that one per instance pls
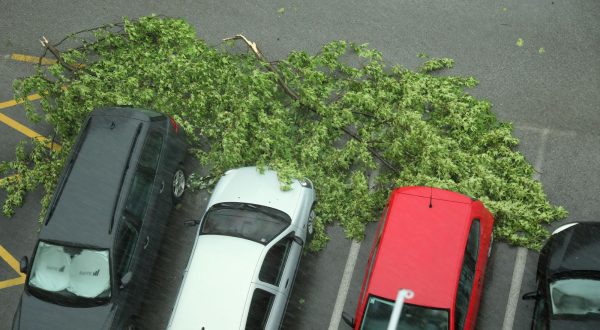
(12, 103)
(12, 282)
(27, 131)
(31, 59)
(10, 260)
(14, 264)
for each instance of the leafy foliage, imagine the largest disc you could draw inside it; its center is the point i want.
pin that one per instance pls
(426, 127)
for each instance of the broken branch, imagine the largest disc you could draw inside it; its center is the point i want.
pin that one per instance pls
(259, 55)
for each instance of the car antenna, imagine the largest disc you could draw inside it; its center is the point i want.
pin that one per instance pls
(430, 196)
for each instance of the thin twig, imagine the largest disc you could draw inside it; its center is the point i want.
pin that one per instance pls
(270, 66)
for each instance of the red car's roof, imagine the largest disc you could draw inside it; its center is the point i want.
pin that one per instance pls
(422, 248)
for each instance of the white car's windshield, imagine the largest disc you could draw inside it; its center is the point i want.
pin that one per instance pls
(254, 222)
(70, 275)
(575, 296)
(378, 312)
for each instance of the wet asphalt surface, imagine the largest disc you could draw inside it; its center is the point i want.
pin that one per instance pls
(551, 96)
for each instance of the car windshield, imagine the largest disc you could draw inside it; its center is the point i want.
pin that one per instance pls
(254, 222)
(413, 317)
(70, 275)
(575, 296)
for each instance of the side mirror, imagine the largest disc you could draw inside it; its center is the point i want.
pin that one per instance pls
(298, 240)
(24, 265)
(126, 279)
(191, 223)
(349, 320)
(531, 296)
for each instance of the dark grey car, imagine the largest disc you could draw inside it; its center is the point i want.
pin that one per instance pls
(100, 238)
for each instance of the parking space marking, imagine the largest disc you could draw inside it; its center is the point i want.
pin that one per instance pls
(521, 258)
(14, 264)
(27, 131)
(12, 103)
(340, 300)
(31, 59)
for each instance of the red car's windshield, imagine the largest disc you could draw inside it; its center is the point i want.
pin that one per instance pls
(378, 312)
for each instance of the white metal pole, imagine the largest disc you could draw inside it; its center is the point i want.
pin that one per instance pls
(397, 311)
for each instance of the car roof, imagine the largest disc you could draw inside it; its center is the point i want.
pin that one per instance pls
(83, 212)
(214, 292)
(422, 247)
(248, 185)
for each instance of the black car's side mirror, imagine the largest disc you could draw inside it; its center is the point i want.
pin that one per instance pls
(349, 320)
(126, 279)
(531, 296)
(191, 223)
(24, 265)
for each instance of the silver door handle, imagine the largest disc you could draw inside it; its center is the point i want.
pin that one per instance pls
(147, 242)
(162, 187)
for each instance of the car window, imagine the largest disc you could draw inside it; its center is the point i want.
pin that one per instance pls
(274, 263)
(467, 275)
(70, 275)
(260, 307)
(374, 251)
(139, 194)
(151, 151)
(254, 222)
(143, 178)
(575, 296)
(378, 313)
(126, 240)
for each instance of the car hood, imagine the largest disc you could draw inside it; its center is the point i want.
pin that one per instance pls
(576, 248)
(572, 324)
(36, 314)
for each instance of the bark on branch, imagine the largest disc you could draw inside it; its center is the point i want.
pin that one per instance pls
(56, 54)
(259, 55)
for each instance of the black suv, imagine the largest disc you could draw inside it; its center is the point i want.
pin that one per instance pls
(102, 232)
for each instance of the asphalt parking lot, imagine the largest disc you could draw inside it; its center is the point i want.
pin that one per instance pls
(548, 87)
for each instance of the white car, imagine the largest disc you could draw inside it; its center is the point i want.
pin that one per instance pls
(244, 261)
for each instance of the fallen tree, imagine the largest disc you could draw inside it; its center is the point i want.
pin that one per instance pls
(334, 117)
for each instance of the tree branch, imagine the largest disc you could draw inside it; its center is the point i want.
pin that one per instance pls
(293, 95)
(56, 54)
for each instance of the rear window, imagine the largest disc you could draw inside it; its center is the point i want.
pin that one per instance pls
(254, 222)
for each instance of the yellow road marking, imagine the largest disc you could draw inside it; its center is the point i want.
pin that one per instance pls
(12, 103)
(14, 264)
(10, 260)
(27, 131)
(12, 282)
(31, 59)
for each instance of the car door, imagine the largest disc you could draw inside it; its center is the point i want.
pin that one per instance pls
(151, 206)
(465, 304)
(540, 314)
(261, 309)
(139, 210)
(278, 270)
(126, 260)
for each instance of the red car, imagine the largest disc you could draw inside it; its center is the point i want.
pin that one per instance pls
(436, 243)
